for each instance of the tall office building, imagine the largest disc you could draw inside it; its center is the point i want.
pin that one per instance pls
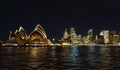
(89, 38)
(73, 36)
(105, 34)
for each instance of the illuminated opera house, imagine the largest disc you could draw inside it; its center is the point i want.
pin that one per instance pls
(36, 38)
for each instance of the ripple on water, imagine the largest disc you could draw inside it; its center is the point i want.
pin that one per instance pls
(60, 58)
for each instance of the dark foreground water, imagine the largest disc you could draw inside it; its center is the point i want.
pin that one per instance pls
(60, 58)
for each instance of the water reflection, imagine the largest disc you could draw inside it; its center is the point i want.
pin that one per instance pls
(34, 52)
(58, 58)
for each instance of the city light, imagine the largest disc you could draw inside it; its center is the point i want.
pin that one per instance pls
(38, 37)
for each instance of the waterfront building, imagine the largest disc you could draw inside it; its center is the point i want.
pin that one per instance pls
(37, 36)
(11, 36)
(23, 33)
(72, 31)
(73, 36)
(105, 34)
(89, 38)
(70, 37)
(116, 40)
(66, 37)
(114, 37)
(14, 38)
(108, 37)
(80, 40)
(96, 37)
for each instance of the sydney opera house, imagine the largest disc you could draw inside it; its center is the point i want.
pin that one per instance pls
(37, 37)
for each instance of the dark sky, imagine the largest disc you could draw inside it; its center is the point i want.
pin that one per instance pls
(55, 16)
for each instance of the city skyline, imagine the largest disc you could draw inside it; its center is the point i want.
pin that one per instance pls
(78, 31)
(57, 33)
(38, 37)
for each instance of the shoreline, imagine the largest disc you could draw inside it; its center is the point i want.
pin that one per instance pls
(63, 45)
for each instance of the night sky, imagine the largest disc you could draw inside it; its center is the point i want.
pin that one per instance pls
(55, 16)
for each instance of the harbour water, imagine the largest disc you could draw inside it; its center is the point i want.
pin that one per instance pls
(60, 58)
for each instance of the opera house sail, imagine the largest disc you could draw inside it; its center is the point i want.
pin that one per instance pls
(36, 37)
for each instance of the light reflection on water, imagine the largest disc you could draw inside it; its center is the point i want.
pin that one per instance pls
(60, 58)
